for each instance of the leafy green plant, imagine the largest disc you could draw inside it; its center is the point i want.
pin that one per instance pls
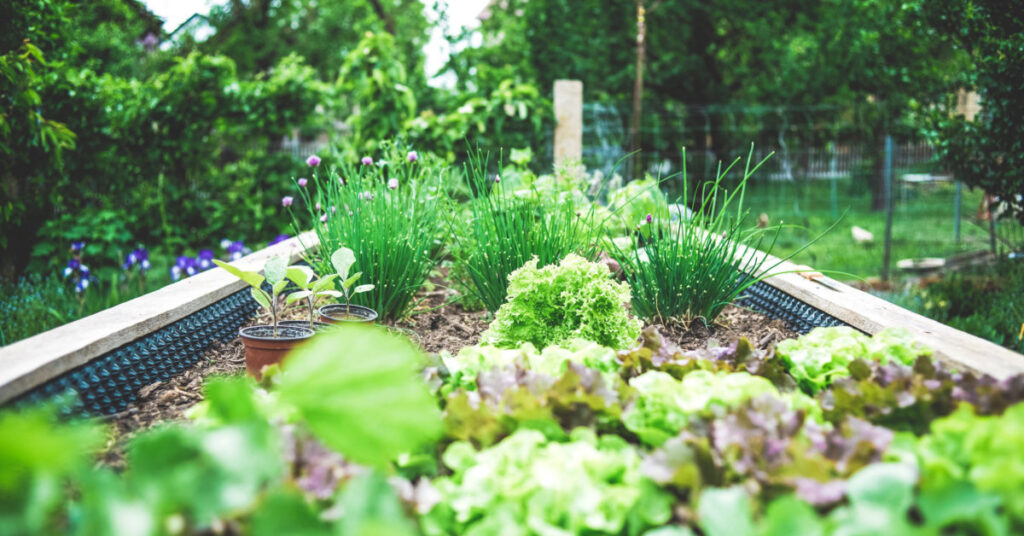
(391, 214)
(342, 260)
(310, 287)
(274, 273)
(573, 299)
(824, 354)
(508, 228)
(692, 269)
(500, 490)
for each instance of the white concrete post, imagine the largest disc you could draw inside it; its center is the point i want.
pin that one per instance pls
(568, 121)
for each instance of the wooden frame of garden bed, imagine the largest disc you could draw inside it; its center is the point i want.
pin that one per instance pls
(33, 361)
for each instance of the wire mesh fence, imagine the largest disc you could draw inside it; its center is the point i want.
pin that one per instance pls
(827, 165)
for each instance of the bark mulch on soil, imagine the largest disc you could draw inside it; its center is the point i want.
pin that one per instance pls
(436, 324)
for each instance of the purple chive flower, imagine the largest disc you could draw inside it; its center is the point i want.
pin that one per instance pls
(649, 218)
(286, 201)
(497, 178)
(323, 219)
(278, 239)
(365, 196)
(393, 184)
(367, 161)
(412, 156)
(313, 160)
(77, 246)
(303, 182)
(318, 205)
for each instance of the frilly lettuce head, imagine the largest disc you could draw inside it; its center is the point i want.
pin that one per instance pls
(552, 361)
(528, 485)
(822, 355)
(664, 404)
(575, 299)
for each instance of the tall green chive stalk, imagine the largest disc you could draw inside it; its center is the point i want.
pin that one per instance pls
(691, 269)
(507, 229)
(391, 215)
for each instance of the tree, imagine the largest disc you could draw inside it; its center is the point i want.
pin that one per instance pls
(988, 152)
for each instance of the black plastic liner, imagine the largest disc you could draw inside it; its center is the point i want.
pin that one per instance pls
(797, 315)
(108, 384)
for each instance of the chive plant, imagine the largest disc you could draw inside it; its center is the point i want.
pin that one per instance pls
(692, 268)
(390, 214)
(507, 229)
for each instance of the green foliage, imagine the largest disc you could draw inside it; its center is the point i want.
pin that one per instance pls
(507, 228)
(393, 233)
(986, 152)
(526, 485)
(375, 82)
(692, 269)
(34, 304)
(342, 260)
(371, 410)
(572, 299)
(982, 452)
(824, 354)
(633, 202)
(553, 360)
(274, 275)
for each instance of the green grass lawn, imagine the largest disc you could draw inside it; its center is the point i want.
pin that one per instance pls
(923, 223)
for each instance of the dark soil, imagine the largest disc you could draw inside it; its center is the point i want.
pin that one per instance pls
(435, 323)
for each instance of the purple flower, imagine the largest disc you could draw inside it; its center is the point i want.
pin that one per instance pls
(497, 178)
(393, 184)
(649, 218)
(323, 218)
(286, 201)
(412, 156)
(303, 182)
(77, 246)
(83, 271)
(82, 284)
(318, 205)
(313, 160)
(72, 267)
(237, 250)
(278, 239)
(367, 161)
(365, 196)
(140, 257)
(205, 259)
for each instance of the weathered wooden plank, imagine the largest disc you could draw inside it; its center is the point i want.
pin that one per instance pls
(33, 361)
(872, 314)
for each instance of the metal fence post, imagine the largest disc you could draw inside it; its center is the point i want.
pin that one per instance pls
(956, 210)
(888, 208)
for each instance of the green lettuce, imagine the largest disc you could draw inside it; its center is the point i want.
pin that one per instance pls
(552, 361)
(819, 357)
(575, 299)
(527, 484)
(664, 405)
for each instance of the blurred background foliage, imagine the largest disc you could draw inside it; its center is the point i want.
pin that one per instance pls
(124, 133)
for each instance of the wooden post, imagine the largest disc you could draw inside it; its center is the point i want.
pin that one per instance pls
(568, 121)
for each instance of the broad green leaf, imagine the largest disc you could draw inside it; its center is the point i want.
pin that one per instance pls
(358, 391)
(300, 275)
(296, 296)
(372, 509)
(286, 511)
(280, 286)
(343, 259)
(275, 269)
(325, 283)
(352, 280)
(726, 512)
(331, 293)
(362, 288)
(254, 279)
(790, 516)
(261, 297)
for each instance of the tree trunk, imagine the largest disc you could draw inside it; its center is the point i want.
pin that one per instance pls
(635, 146)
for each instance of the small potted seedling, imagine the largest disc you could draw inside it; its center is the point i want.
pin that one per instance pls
(342, 260)
(267, 344)
(310, 288)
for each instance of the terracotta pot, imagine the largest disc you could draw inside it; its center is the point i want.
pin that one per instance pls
(262, 348)
(318, 327)
(337, 313)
